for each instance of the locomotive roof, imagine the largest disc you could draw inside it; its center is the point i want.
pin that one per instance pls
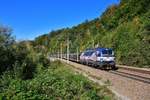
(97, 49)
(101, 49)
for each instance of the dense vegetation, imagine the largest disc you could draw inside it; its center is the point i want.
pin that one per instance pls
(56, 82)
(20, 56)
(26, 73)
(124, 27)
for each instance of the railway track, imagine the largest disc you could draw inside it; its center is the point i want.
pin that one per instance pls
(134, 69)
(127, 74)
(132, 76)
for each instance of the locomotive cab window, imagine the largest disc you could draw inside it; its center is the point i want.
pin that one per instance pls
(107, 52)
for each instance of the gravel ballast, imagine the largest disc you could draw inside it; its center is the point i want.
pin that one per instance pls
(125, 88)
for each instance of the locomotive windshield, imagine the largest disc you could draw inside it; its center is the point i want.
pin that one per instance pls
(107, 52)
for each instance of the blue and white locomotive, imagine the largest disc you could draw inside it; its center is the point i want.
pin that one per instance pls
(99, 57)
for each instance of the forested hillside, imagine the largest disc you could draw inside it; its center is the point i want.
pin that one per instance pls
(124, 27)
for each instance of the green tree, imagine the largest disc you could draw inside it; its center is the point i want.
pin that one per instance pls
(6, 50)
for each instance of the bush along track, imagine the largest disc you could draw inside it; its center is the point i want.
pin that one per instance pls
(55, 82)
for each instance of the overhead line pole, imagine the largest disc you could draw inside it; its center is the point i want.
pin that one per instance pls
(58, 53)
(93, 44)
(78, 48)
(61, 50)
(68, 50)
(77, 54)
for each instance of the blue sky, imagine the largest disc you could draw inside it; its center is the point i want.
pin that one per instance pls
(31, 18)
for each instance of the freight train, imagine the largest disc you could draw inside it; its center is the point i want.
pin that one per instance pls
(102, 58)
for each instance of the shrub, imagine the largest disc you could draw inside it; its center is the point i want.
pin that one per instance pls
(44, 61)
(57, 82)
